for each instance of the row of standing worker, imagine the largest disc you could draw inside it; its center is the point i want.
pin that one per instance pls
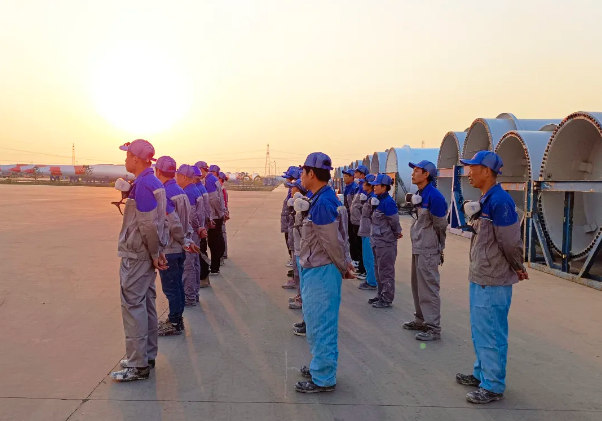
(329, 240)
(174, 224)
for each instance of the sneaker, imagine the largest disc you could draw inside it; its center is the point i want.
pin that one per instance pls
(289, 264)
(290, 284)
(290, 274)
(296, 305)
(299, 331)
(481, 396)
(361, 276)
(467, 380)
(214, 272)
(311, 387)
(299, 324)
(170, 330)
(381, 304)
(305, 372)
(124, 363)
(373, 300)
(205, 283)
(130, 374)
(366, 286)
(428, 335)
(413, 325)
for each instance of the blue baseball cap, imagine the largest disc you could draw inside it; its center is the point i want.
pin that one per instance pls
(363, 169)
(213, 168)
(427, 166)
(295, 172)
(140, 148)
(298, 185)
(488, 159)
(166, 164)
(201, 164)
(187, 170)
(382, 179)
(318, 160)
(196, 170)
(290, 172)
(223, 176)
(369, 178)
(350, 172)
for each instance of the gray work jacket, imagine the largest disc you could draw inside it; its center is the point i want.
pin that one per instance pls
(180, 229)
(366, 219)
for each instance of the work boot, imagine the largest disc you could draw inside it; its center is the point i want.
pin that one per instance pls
(481, 396)
(305, 372)
(124, 363)
(290, 284)
(361, 276)
(170, 330)
(366, 286)
(130, 374)
(467, 380)
(299, 331)
(373, 300)
(296, 305)
(414, 325)
(428, 335)
(289, 264)
(381, 304)
(205, 283)
(311, 387)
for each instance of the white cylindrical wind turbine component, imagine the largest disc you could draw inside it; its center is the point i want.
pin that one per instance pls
(522, 154)
(397, 164)
(574, 153)
(379, 161)
(449, 155)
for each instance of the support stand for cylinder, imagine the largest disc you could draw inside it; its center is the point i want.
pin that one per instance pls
(535, 235)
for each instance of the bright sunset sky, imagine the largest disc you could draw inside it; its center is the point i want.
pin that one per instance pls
(218, 80)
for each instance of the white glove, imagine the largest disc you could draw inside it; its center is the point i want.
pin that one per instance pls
(416, 199)
(297, 196)
(471, 208)
(301, 205)
(122, 185)
(374, 201)
(290, 202)
(363, 197)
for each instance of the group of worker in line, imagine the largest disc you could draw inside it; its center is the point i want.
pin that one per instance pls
(172, 217)
(330, 239)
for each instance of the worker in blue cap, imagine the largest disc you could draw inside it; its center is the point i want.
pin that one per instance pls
(199, 182)
(364, 233)
(324, 260)
(355, 215)
(180, 240)
(386, 230)
(219, 214)
(142, 238)
(291, 174)
(428, 234)
(297, 191)
(349, 192)
(223, 178)
(496, 264)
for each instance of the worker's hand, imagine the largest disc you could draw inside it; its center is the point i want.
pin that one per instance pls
(211, 225)
(441, 260)
(202, 232)
(350, 274)
(226, 216)
(522, 275)
(399, 236)
(160, 263)
(192, 248)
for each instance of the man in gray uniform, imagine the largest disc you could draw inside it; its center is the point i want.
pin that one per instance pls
(428, 241)
(142, 238)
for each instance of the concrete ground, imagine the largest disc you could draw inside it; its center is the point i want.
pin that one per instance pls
(62, 334)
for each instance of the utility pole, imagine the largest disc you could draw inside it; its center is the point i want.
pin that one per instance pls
(275, 168)
(73, 154)
(267, 162)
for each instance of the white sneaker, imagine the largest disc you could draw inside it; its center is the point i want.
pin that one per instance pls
(289, 264)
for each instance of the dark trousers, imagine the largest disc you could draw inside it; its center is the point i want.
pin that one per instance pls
(204, 264)
(216, 244)
(286, 239)
(358, 247)
(172, 285)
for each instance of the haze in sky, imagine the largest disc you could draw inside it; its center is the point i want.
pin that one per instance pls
(219, 80)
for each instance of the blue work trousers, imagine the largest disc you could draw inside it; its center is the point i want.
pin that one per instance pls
(173, 286)
(321, 295)
(368, 257)
(489, 307)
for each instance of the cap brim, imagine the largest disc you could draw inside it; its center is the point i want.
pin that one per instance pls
(124, 147)
(412, 165)
(469, 162)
